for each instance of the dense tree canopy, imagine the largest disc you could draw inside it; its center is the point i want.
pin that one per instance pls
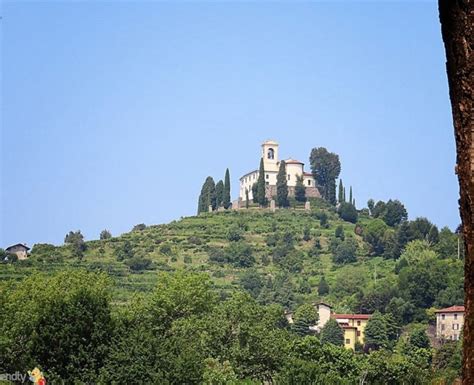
(207, 198)
(326, 168)
(332, 333)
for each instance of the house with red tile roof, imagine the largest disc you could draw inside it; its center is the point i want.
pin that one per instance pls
(353, 326)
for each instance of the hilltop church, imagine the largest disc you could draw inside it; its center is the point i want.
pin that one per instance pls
(271, 165)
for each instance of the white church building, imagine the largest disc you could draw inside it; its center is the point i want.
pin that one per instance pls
(271, 164)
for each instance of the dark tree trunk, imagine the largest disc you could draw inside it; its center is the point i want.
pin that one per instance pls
(457, 26)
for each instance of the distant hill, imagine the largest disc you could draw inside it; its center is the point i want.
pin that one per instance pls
(278, 257)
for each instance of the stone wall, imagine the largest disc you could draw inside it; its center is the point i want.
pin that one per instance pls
(311, 192)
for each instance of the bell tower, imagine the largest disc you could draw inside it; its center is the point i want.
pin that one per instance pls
(270, 155)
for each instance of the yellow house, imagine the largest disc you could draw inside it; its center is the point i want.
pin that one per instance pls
(449, 322)
(354, 326)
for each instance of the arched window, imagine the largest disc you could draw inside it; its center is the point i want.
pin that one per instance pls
(271, 153)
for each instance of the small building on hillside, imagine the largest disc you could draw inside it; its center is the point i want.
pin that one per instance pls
(449, 322)
(352, 324)
(324, 312)
(271, 165)
(354, 327)
(20, 250)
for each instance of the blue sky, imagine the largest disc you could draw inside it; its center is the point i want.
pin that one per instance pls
(113, 113)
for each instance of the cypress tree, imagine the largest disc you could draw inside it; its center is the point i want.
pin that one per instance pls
(340, 192)
(300, 189)
(282, 186)
(350, 195)
(226, 198)
(247, 198)
(261, 198)
(201, 199)
(344, 194)
(254, 192)
(323, 287)
(219, 193)
(208, 196)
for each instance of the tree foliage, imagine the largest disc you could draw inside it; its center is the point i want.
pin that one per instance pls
(220, 194)
(326, 168)
(300, 189)
(348, 212)
(260, 196)
(282, 186)
(304, 317)
(332, 333)
(226, 195)
(207, 198)
(105, 234)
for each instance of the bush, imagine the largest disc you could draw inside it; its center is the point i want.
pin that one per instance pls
(165, 249)
(187, 259)
(345, 252)
(339, 233)
(348, 212)
(195, 240)
(234, 234)
(139, 227)
(139, 264)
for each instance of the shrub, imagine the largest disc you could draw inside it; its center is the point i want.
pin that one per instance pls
(165, 249)
(348, 212)
(139, 264)
(234, 234)
(195, 240)
(139, 227)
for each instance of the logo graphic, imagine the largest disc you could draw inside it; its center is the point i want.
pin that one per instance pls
(36, 377)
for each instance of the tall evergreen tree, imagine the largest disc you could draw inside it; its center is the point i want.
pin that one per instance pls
(344, 194)
(350, 195)
(323, 287)
(219, 193)
(371, 205)
(332, 333)
(300, 189)
(254, 192)
(326, 168)
(340, 195)
(261, 198)
(282, 186)
(247, 198)
(305, 316)
(376, 332)
(208, 196)
(226, 198)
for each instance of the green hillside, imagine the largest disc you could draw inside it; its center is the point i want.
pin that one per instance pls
(278, 257)
(201, 300)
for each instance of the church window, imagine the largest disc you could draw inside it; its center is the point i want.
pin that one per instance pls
(271, 153)
(442, 316)
(267, 183)
(268, 176)
(309, 182)
(288, 176)
(348, 341)
(455, 316)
